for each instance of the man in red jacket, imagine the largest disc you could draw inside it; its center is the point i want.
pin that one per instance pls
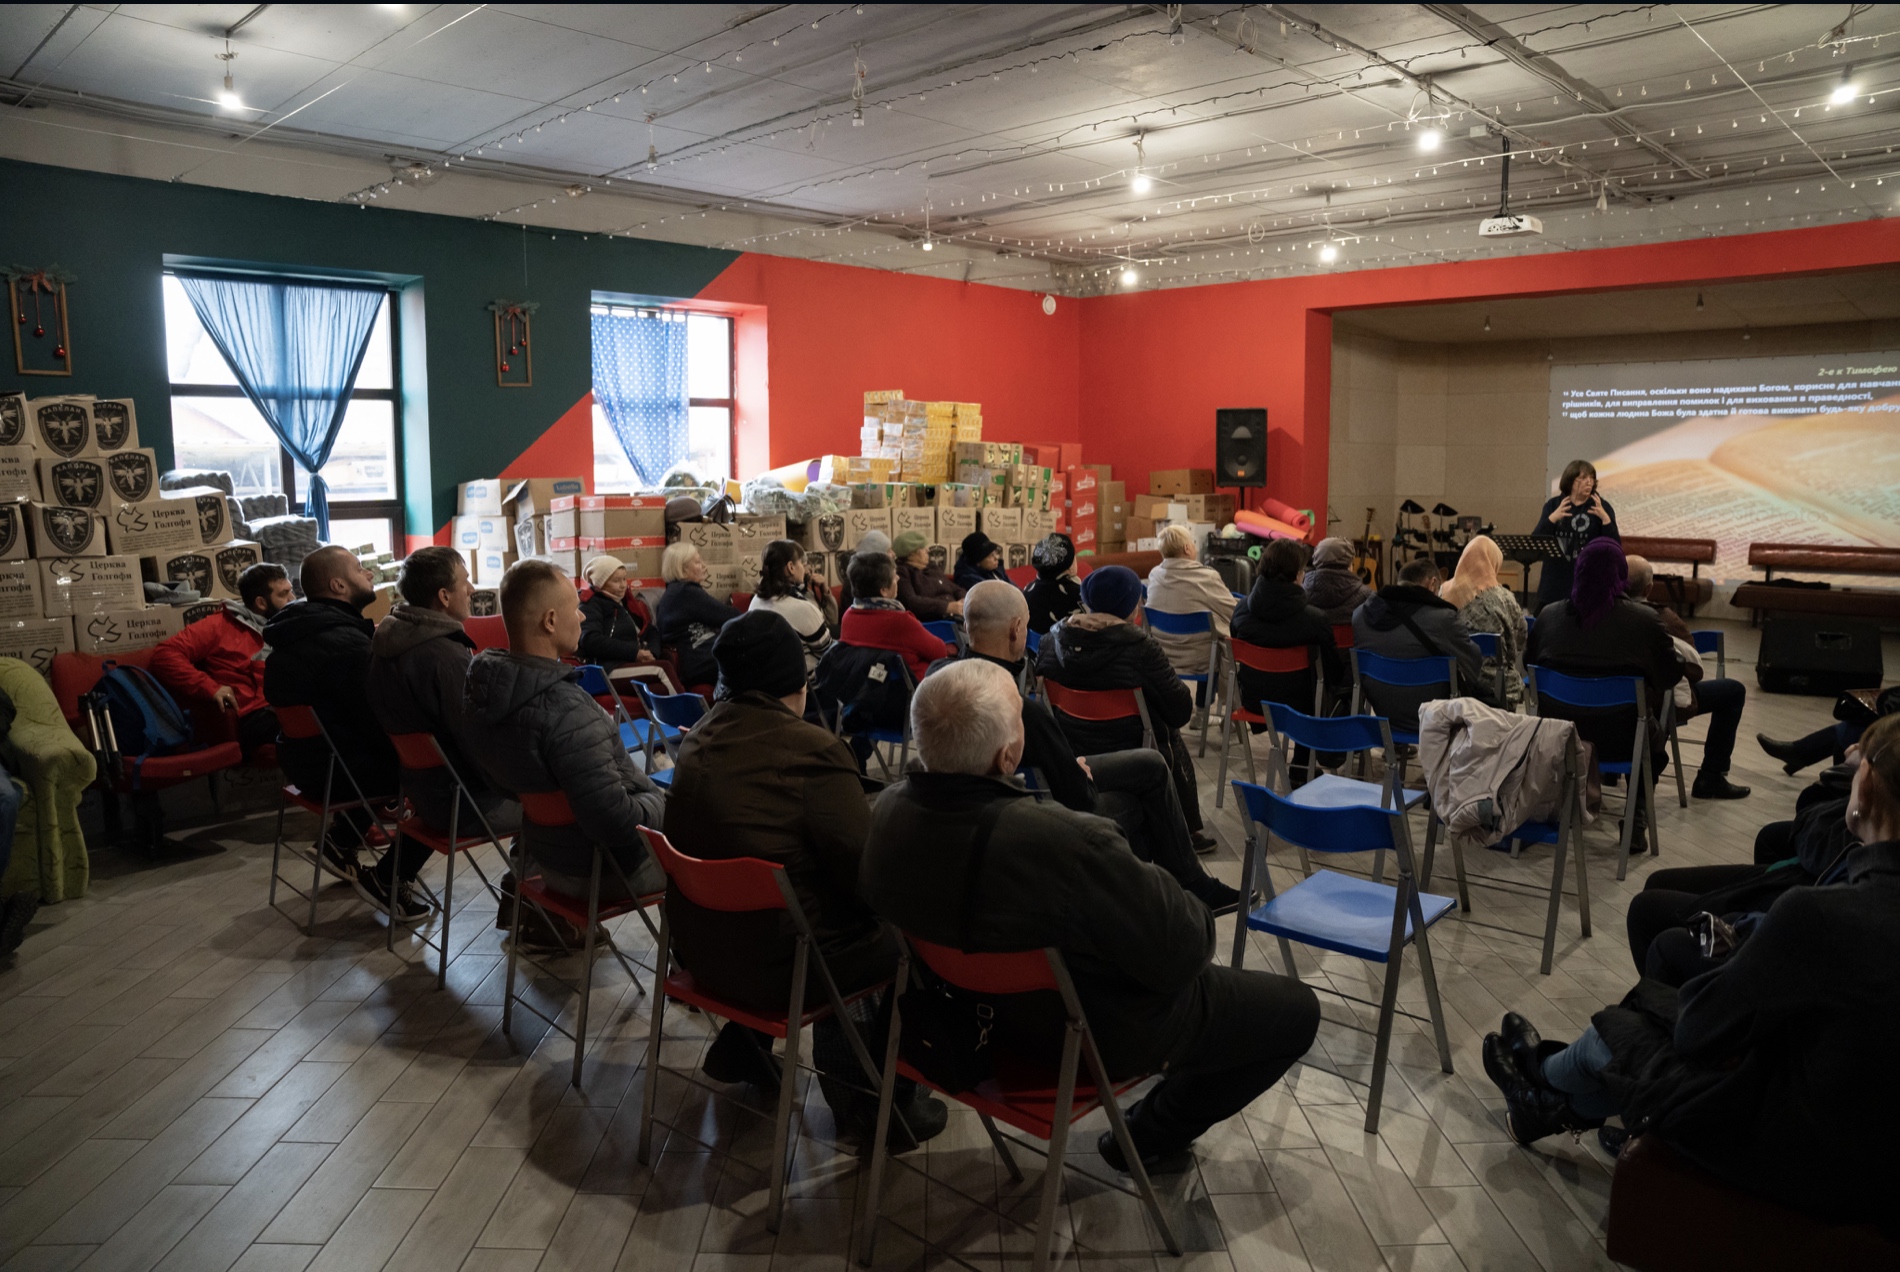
(218, 662)
(876, 620)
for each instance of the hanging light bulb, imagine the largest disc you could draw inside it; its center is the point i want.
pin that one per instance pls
(228, 96)
(1130, 277)
(1329, 253)
(1141, 182)
(1429, 139)
(1844, 91)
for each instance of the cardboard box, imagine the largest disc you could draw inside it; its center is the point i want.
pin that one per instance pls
(482, 534)
(196, 567)
(116, 631)
(1152, 507)
(74, 483)
(622, 517)
(642, 564)
(58, 531)
(1181, 481)
(954, 525)
(953, 494)
(485, 603)
(1113, 492)
(152, 526)
(1114, 517)
(722, 582)
(214, 513)
(713, 540)
(1016, 555)
(36, 641)
(385, 600)
(1038, 524)
(19, 474)
(61, 427)
(13, 430)
(13, 537)
(1084, 537)
(940, 557)
(531, 535)
(531, 496)
(824, 534)
(115, 425)
(761, 528)
(491, 564)
(229, 561)
(859, 522)
(1004, 525)
(132, 474)
(87, 585)
(1083, 481)
(564, 523)
(1218, 509)
(20, 591)
(921, 520)
(480, 498)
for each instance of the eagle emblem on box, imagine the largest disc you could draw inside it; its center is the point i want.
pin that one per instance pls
(78, 483)
(210, 518)
(64, 427)
(68, 529)
(193, 568)
(132, 476)
(9, 527)
(831, 531)
(111, 424)
(232, 562)
(12, 420)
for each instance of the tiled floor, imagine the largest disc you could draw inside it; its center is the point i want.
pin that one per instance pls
(189, 1082)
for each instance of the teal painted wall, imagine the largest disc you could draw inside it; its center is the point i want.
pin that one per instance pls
(114, 233)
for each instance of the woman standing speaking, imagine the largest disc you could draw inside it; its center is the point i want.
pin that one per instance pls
(1573, 516)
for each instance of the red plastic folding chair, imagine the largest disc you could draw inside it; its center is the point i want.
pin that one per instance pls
(1101, 706)
(1026, 1092)
(422, 751)
(1262, 658)
(549, 809)
(740, 886)
(303, 723)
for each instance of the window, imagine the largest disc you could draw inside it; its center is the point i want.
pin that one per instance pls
(214, 426)
(709, 410)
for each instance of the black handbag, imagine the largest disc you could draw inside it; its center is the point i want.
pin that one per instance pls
(946, 1031)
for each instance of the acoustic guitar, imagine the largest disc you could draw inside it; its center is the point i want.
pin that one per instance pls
(1368, 560)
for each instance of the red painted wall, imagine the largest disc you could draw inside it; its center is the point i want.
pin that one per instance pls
(1156, 365)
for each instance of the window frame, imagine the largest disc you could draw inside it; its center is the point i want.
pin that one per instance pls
(731, 401)
(392, 509)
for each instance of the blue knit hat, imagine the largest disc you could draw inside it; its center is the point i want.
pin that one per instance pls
(1113, 589)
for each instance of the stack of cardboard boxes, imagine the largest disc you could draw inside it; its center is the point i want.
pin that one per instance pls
(498, 522)
(911, 439)
(83, 526)
(732, 551)
(1178, 495)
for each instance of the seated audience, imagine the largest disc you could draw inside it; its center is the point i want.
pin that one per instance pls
(1103, 649)
(217, 663)
(1181, 584)
(876, 543)
(959, 854)
(688, 616)
(787, 588)
(611, 634)
(1331, 586)
(755, 780)
(537, 730)
(319, 658)
(921, 586)
(1279, 614)
(1406, 619)
(1766, 1071)
(418, 671)
(1055, 593)
(979, 560)
(878, 620)
(1722, 699)
(1135, 788)
(1853, 712)
(16, 910)
(1486, 605)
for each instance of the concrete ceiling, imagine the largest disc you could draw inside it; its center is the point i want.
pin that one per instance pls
(1004, 135)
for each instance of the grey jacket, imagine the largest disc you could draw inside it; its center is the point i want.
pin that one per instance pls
(536, 730)
(1490, 771)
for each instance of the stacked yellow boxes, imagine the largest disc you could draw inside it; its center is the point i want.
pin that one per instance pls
(916, 436)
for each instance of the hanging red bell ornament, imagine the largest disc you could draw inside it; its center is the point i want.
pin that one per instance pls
(59, 351)
(38, 332)
(504, 368)
(514, 351)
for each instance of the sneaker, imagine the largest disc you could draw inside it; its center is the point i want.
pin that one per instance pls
(338, 861)
(1178, 1162)
(735, 1056)
(1204, 843)
(1216, 896)
(405, 908)
(15, 913)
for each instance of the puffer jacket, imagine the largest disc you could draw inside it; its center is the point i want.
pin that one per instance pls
(226, 650)
(1182, 585)
(538, 731)
(1278, 615)
(1379, 627)
(609, 634)
(418, 674)
(1052, 598)
(320, 658)
(925, 592)
(1490, 771)
(1099, 651)
(1336, 593)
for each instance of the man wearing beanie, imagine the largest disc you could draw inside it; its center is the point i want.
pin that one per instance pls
(755, 780)
(1103, 649)
(921, 587)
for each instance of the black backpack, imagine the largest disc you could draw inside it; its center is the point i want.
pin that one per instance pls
(860, 689)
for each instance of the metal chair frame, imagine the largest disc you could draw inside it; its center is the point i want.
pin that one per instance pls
(293, 717)
(883, 737)
(1261, 658)
(1641, 788)
(1003, 974)
(1707, 641)
(797, 1018)
(1260, 807)
(1403, 673)
(667, 732)
(1211, 682)
(408, 746)
(1078, 703)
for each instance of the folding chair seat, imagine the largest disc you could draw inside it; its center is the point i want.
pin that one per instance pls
(1199, 623)
(1487, 643)
(1561, 697)
(1375, 676)
(668, 718)
(949, 631)
(1101, 706)
(422, 751)
(1342, 913)
(1342, 635)
(746, 885)
(1262, 658)
(303, 723)
(550, 809)
(1026, 1092)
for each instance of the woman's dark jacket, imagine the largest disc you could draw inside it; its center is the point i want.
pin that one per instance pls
(1094, 651)
(1051, 600)
(1553, 584)
(1277, 614)
(1627, 641)
(609, 634)
(689, 618)
(969, 574)
(925, 592)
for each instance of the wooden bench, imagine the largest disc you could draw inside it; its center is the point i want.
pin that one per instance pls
(1669, 1215)
(1882, 604)
(1694, 553)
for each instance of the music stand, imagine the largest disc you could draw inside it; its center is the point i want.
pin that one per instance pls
(1525, 549)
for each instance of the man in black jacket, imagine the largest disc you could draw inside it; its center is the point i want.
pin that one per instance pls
(1407, 620)
(320, 654)
(1136, 944)
(1132, 787)
(539, 731)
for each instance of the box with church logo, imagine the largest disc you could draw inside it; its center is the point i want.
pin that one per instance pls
(87, 585)
(13, 538)
(152, 527)
(35, 641)
(94, 481)
(115, 425)
(61, 427)
(13, 430)
(20, 591)
(115, 631)
(209, 571)
(58, 531)
(214, 513)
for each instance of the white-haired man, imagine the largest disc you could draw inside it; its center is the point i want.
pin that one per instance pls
(1722, 699)
(960, 855)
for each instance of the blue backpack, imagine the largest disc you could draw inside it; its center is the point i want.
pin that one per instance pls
(146, 720)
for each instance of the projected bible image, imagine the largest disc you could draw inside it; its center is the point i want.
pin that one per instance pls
(1802, 449)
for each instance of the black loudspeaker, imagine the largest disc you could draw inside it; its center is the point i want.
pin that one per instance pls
(1240, 446)
(1822, 656)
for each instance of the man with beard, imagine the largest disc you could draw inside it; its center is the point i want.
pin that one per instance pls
(217, 663)
(320, 656)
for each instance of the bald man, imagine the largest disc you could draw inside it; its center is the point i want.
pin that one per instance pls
(320, 651)
(1721, 699)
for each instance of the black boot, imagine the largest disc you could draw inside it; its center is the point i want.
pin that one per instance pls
(1533, 1110)
(1717, 786)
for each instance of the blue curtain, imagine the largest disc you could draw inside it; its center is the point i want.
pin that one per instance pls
(295, 348)
(640, 383)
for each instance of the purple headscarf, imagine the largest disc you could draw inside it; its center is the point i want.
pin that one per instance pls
(1601, 576)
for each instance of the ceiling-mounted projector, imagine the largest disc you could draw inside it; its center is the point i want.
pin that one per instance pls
(1506, 226)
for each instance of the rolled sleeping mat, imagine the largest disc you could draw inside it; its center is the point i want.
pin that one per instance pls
(1267, 527)
(795, 477)
(1287, 513)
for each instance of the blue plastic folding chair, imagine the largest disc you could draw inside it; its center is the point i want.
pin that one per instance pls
(1553, 689)
(1487, 643)
(1344, 913)
(595, 683)
(669, 716)
(950, 633)
(1198, 624)
(1034, 642)
(1562, 835)
(1374, 674)
(1709, 640)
